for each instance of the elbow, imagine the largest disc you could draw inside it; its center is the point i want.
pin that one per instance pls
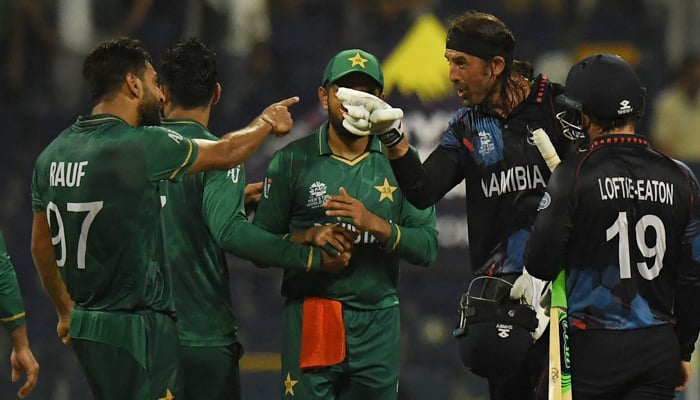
(419, 198)
(422, 195)
(428, 257)
(428, 262)
(422, 203)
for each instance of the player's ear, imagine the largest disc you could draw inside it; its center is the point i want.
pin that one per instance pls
(498, 65)
(323, 94)
(585, 121)
(216, 96)
(166, 92)
(134, 84)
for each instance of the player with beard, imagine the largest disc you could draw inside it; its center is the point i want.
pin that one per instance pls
(96, 239)
(488, 146)
(342, 332)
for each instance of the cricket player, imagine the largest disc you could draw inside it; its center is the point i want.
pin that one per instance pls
(623, 221)
(203, 216)
(341, 332)
(97, 236)
(488, 147)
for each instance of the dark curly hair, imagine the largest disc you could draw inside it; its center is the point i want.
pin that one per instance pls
(188, 69)
(105, 67)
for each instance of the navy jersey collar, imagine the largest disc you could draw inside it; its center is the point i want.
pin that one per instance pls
(619, 138)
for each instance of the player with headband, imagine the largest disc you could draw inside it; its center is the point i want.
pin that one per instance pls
(488, 146)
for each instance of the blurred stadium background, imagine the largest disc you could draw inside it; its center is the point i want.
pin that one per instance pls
(269, 50)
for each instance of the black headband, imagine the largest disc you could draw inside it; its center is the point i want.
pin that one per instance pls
(474, 45)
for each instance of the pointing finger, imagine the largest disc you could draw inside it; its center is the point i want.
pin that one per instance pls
(288, 102)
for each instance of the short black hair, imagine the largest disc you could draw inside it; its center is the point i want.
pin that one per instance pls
(188, 69)
(105, 67)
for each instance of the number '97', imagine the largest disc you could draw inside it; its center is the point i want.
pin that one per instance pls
(91, 208)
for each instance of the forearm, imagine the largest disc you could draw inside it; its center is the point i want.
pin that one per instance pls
(418, 246)
(544, 254)
(18, 336)
(45, 262)
(57, 292)
(424, 184)
(11, 304)
(398, 150)
(542, 258)
(265, 248)
(232, 149)
(241, 144)
(381, 229)
(687, 313)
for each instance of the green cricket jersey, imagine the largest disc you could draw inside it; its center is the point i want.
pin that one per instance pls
(300, 178)
(204, 215)
(98, 183)
(11, 305)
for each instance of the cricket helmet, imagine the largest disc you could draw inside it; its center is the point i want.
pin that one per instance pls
(495, 331)
(604, 86)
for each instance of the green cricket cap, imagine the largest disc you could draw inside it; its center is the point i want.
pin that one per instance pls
(353, 60)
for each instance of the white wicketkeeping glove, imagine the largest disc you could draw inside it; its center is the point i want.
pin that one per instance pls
(529, 289)
(383, 120)
(356, 120)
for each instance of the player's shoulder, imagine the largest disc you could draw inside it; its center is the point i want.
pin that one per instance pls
(154, 134)
(55, 146)
(188, 128)
(303, 146)
(574, 163)
(541, 84)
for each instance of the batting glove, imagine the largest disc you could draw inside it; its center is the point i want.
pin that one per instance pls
(530, 290)
(384, 120)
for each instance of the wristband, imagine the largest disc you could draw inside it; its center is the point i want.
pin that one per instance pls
(391, 138)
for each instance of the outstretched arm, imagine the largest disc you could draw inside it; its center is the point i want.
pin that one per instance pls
(236, 147)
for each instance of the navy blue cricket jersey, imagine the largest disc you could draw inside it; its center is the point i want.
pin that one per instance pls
(622, 219)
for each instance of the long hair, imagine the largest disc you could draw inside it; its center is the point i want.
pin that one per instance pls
(494, 34)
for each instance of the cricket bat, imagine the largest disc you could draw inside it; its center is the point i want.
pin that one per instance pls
(559, 360)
